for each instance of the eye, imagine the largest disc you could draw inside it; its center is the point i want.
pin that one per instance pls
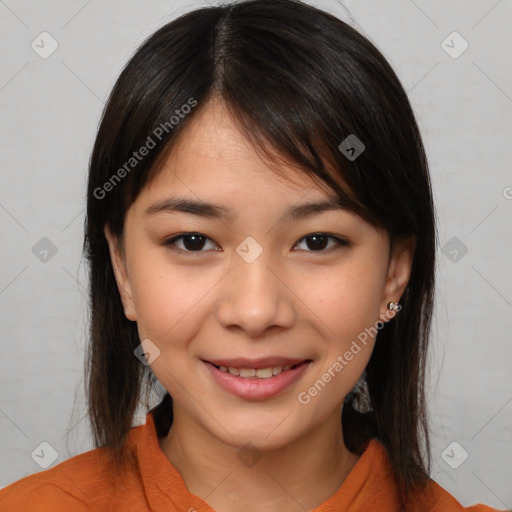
(194, 242)
(319, 241)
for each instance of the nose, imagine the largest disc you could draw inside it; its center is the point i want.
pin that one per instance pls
(255, 297)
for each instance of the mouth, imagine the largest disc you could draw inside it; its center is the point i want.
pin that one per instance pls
(257, 383)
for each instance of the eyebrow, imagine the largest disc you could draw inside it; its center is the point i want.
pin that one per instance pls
(217, 211)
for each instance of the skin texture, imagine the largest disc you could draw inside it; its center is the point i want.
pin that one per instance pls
(293, 300)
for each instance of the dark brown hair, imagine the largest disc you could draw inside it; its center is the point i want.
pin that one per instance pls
(298, 81)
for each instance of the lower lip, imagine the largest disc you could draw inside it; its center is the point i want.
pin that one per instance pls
(254, 388)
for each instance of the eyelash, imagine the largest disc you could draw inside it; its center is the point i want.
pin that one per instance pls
(171, 242)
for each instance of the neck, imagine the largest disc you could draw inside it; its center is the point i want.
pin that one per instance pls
(299, 476)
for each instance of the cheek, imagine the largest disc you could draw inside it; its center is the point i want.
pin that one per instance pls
(346, 299)
(169, 298)
(348, 302)
(348, 305)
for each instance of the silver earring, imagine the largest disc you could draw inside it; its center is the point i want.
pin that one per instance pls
(393, 305)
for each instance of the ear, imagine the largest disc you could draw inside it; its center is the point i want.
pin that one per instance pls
(121, 274)
(399, 273)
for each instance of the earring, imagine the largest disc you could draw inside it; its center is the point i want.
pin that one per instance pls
(393, 305)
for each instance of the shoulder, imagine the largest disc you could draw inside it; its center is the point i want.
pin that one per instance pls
(437, 499)
(80, 483)
(433, 498)
(441, 500)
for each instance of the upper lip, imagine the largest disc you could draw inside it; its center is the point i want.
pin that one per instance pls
(263, 362)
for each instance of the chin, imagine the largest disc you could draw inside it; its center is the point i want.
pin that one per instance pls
(263, 436)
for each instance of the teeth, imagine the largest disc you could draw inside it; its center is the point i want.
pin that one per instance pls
(260, 373)
(263, 373)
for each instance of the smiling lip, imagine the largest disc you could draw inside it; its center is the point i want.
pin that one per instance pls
(256, 388)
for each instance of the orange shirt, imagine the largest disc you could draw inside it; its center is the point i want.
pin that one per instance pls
(84, 483)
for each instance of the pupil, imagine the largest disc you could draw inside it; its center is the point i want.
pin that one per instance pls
(317, 245)
(194, 245)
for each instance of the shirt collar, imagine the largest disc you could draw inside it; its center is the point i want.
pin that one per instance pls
(370, 479)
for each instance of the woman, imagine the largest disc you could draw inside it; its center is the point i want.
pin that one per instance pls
(261, 238)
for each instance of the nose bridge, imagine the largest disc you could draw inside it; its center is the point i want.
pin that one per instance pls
(253, 275)
(253, 297)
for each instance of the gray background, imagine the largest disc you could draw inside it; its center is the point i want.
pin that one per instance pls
(50, 110)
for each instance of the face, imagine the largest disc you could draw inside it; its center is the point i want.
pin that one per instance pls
(255, 284)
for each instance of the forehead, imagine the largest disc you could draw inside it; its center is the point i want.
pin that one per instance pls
(211, 155)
